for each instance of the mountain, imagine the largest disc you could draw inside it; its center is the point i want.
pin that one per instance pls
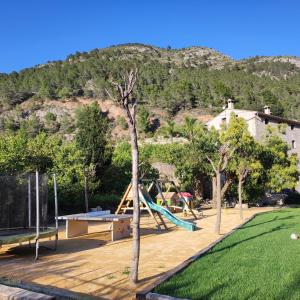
(172, 82)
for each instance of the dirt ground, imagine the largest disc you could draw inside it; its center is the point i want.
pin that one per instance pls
(93, 265)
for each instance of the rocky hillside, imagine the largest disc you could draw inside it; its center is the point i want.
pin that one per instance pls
(172, 83)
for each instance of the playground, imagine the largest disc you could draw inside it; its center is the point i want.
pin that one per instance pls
(94, 265)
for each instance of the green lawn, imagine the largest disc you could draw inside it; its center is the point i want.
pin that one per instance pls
(258, 261)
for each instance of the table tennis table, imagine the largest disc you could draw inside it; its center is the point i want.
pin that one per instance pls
(77, 224)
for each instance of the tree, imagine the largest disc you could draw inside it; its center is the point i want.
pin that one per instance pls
(246, 156)
(169, 130)
(51, 124)
(219, 161)
(32, 126)
(91, 137)
(64, 92)
(281, 170)
(143, 120)
(129, 103)
(215, 148)
(189, 127)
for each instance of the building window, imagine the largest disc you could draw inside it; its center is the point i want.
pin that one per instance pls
(292, 127)
(293, 144)
(223, 120)
(266, 121)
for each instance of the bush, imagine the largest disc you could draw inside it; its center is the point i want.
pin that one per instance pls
(106, 201)
(122, 123)
(292, 198)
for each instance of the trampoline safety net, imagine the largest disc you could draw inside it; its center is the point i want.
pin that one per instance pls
(18, 201)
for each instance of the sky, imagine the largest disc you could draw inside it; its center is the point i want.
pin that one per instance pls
(36, 31)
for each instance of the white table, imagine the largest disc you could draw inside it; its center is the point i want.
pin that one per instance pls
(77, 224)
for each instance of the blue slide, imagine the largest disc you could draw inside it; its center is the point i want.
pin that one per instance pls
(145, 197)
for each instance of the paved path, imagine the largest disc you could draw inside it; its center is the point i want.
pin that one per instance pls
(93, 265)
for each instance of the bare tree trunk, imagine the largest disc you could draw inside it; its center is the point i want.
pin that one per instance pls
(225, 187)
(129, 104)
(240, 186)
(214, 192)
(218, 200)
(136, 206)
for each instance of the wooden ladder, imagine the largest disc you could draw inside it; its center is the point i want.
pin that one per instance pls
(125, 202)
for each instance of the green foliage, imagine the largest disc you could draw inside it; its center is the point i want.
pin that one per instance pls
(92, 134)
(172, 83)
(32, 126)
(143, 120)
(122, 123)
(49, 117)
(190, 128)
(67, 124)
(169, 129)
(105, 201)
(65, 92)
(281, 169)
(51, 125)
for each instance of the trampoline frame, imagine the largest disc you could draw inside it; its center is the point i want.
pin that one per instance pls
(38, 234)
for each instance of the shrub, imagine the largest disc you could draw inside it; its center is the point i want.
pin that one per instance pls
(292, 198)
(106, 201)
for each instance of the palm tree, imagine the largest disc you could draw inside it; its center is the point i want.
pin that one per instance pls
(189, 127)
(169, 129)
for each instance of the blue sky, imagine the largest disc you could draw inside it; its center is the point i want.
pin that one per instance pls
(37, 31)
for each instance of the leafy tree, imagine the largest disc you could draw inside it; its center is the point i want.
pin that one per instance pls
(143, 120)
(169, 130)
(65, 92)
(51, 125)
(246, 156)
(189, 127)
(92, 135)
(281, 168)
(32, 126)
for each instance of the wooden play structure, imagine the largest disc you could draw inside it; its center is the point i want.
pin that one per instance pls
(126, 204)
(176, 201)
(150, 207)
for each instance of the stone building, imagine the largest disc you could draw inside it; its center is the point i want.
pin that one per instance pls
(257, 125)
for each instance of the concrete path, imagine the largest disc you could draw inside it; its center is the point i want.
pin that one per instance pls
(93, 265)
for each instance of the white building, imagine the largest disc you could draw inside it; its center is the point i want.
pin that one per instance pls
(257, 125)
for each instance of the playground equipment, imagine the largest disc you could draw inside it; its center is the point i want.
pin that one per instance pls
(18, 211)
(147, 204)
(173, 200)
(146, 198)
(126, 204)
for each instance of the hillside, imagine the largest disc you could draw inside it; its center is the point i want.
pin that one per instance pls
(172, 83)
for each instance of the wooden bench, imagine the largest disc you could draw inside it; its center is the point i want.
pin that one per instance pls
(77, 224)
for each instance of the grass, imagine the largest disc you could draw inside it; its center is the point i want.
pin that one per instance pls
(258, 261)
(126, 271)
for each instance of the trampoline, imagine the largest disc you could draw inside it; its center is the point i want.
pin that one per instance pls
(19, 211)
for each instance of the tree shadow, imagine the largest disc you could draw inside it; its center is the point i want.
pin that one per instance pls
(277, 228)
(270, 221)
